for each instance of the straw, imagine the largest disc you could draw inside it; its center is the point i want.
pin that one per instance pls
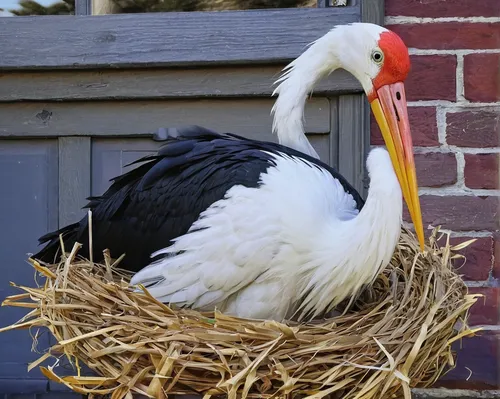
(395, 337)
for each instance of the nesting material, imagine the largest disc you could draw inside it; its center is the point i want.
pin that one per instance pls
(397, 335)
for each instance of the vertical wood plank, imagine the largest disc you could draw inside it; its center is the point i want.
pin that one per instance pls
(365, 136)
(354, 140)
(83, 7)
(74, 177)
(372, 11)
(74, 187)
(334, 133)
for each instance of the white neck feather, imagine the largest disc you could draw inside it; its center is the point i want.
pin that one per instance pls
(366, 246)
(298, 80)
(345, 46)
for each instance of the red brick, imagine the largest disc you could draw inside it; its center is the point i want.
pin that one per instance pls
(436, 169)
(477, 363)
(432, 77)
(442, 8)
(485, 310)
(449, 35)
(478, 260)
(423, 127)
(481, 171)
(482, 77)
(478, 129)
(459, 213)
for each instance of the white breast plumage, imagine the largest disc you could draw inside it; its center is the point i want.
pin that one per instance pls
(254, 252)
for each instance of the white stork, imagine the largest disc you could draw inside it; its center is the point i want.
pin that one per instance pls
(258, 229)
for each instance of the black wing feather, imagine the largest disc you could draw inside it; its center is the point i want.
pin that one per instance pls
(146, 208)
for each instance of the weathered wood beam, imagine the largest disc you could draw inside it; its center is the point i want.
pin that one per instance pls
(165, 39)
(143, 118)
(157, 84)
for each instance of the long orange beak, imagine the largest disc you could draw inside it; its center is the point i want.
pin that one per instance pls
(391, 113)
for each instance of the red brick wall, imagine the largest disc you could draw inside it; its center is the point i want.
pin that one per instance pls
(454, 99)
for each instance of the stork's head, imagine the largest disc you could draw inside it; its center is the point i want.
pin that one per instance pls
(379, 59)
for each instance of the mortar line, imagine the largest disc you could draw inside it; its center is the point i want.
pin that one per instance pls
(458, 191)
(452, 106)
(418, 51)
(441, 125)
(460, 87)
(401, 20)
(482, 284)
(447, 149)
(460, 170)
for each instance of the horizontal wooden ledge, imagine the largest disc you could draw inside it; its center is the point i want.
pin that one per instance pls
(144, 118)
(157, 84)
(165, 39)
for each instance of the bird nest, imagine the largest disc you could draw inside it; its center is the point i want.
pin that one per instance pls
(396, 336)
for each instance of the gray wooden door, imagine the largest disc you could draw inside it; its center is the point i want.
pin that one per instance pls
(82, 96)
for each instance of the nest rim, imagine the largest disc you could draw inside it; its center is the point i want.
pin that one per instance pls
(369, 359)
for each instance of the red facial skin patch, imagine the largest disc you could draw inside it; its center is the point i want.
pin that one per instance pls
(396, 64)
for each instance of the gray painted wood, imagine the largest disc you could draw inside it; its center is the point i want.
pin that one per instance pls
(161, 39)
(74, 184)
(334, 133)
(354, 140)
(83, 7)
(109, 157)
(157, 84)
(365, 140)
(74, 178)
(373, 11)
(143, 118)
(28, 209)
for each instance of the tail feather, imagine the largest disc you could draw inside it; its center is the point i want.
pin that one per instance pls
(52, 250)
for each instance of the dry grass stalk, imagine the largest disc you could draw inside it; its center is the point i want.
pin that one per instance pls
(398, 335)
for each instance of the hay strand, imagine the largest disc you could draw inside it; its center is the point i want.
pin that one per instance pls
(397, 335)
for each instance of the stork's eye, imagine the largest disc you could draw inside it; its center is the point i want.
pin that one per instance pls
(378, 56)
